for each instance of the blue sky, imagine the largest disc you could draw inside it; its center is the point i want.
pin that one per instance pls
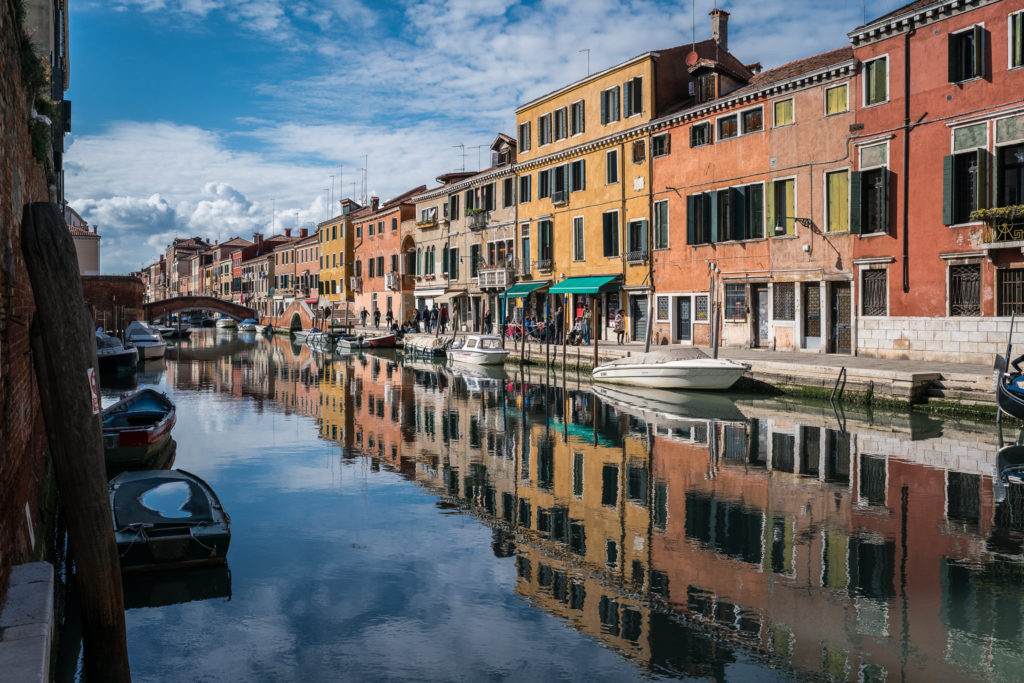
(224, 117)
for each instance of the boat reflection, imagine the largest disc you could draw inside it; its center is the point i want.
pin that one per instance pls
(691, 534)
(159, 589)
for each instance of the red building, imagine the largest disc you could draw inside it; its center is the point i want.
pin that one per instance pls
(940, 133)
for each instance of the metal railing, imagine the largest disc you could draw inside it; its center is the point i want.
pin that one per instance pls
(491, 278)
(478, 221)
(544, 264)
(636, 256)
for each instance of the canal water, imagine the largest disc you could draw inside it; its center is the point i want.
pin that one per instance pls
(403, 519)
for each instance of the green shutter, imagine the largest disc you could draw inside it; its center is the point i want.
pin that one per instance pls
(604, 107)
(952, 57)
(979, 51)
(884, 201)
(769, 194)
(997, 200)
(982, 178)
(444, 260)
(1018, 39)
(644, 227)
(691, 225)
(738, 203)
(711, 204)
(419, 263)
(856, 199)
(947, 189)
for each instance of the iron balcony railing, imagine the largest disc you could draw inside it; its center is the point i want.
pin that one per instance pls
(544, 264)
(636, 256)
(478, 220)
(495, 278)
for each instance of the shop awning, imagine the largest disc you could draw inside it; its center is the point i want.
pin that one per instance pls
(583, 285)
(449, 297)
(523, 289)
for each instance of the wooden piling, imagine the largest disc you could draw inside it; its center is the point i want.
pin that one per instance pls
(64, 354)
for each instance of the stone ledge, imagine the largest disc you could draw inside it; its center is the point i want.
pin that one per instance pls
(26, 624)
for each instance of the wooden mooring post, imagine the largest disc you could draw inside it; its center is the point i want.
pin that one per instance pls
(64, 354)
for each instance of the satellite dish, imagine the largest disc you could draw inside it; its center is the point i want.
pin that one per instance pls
(691, 58)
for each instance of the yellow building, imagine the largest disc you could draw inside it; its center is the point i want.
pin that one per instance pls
(336, 253)
(584, 167)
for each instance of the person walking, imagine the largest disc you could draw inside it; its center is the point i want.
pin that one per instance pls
(588, 317)
(620, 325)
(425, 317)
(487, 321)
(433, 318)
(557, 326)
(389, 318)
(376, 318)
(444, 319)
(362, 316)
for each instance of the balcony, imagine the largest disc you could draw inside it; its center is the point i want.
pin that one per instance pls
(392, 281)
(427, 223)
(355, 284)
(559, 197)
(1004, 227)
(636, 256)
(495, 278)
(478, 219)
(544, 264)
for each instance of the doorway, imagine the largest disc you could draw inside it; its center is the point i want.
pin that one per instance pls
(684, 319)
(812, 315)
(841, 339)
(762, 314)
(639, 317)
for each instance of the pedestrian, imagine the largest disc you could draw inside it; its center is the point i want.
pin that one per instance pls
(588, 317)
(487, 321)
(389, 318)
(433, 318)
(362, 316)
(376, 318)
(557, 327)
(444, 319)
(620, 325)
(425, 317)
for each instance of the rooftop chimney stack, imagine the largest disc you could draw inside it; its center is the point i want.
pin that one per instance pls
(304, 232)
(375, 202)
(287, 232)
(720, 28)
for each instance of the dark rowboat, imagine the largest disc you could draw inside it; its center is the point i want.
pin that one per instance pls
(137, 429)
(1010, 386)
(154, 531)
(113, 356)
(384, 341)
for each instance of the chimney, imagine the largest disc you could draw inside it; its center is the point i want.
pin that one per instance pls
(161, 258)
(304, 232)
(375, 203)
(257, 238)
(720, 28)
(287, 232)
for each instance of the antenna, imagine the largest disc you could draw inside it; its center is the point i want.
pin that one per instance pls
(477, 148)
(273, 214)
(341, 178)
(864, 10)
(462, 147)
(693, 23)
(587, 50)
(328, 204)
(366, 175)
(330, 200)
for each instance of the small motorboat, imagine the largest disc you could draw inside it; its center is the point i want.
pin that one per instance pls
(385, 341)
(265, 330)
(226, 323)
(147, 340)
(164, 330)
(426, 344)
(300, 335)
(317, 338)
(137, 429)
(165, 519)
(180, 332)
(478, 349)
(350, 342)
(197, 320)
(678, 368)
(113, 356)
(247, 325)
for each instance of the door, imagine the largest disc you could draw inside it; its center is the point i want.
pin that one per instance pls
(639, 316)
(761, 316)
(812, 315)
(684, 330)
(841, 340)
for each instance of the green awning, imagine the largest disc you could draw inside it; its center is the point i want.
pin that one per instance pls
(583, 285)
(523, 289)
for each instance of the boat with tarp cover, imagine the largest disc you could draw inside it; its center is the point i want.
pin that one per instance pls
(167, 519)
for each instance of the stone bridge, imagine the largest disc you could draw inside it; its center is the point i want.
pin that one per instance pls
(158, 309)
(298, 316)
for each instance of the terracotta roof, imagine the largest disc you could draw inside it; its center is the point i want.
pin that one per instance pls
(235, 242)
(405, 196)
(910, 7)
(78, 231)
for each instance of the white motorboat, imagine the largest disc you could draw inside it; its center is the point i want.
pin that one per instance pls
(146, 339)
(350, 342)
(678, 368)
(319, 340)
(478, 349)
(224, 322)
(164, 330)
(247, 325)
(265, 330)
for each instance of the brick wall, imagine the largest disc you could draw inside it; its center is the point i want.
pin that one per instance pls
(115, 300)
(22, 439)
(950, 340)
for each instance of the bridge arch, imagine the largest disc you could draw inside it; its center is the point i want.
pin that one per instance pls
(178, 304)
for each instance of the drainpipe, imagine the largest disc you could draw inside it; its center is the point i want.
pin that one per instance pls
(650, 241)
(911, 30)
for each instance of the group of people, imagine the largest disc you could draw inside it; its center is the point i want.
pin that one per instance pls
(432, 319)
(389, 318)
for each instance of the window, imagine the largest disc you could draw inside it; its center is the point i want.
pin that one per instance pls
(394, 224)
(967, 54)
(874, 297)
(470, 200)
(524, 248)
(735, 302)
(782, 207)
(611, 163)
(453, 207)
(700, 134)
(559, 182)
(704, 90)
(1016, 40)
(487, 197)
(837, 201)
(359, 228)
(700, 306)
(965, 289)
(426, 216)
(633, 96)
(544, 252)
(661, 224)
(543, 184)
(660, 145)
(1011, 291)
(610, 232)
(524, 189)
(636, 240)
(475, 259)
(508, 193)
(753, 120)
(610, 105)
(561, 124)
(576, 120)
(544, 130)
(639, 151)
(369, 230)
(869, 203)
(577, 175)
(578, 252)
(359, 268)
(876, 81)
(784, 301)
(836, 101)
(394, 263)
(729, 214)
(524, 137)
(1010, 174)
(964, 185)
(727, 127)
(371, 268)
(784, 112)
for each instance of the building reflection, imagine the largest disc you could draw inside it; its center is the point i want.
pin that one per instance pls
(850, 546)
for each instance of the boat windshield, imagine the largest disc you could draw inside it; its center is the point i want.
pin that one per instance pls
(489, 344)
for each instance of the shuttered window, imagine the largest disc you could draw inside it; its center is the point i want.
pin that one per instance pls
(610, 230)
(967, 54)
(784, 112)
(610, 105)
(1017, 40)
(632, 100)
(876, 81)
(964, 185)
(835, 100)
(837, 185)
(661, 224)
